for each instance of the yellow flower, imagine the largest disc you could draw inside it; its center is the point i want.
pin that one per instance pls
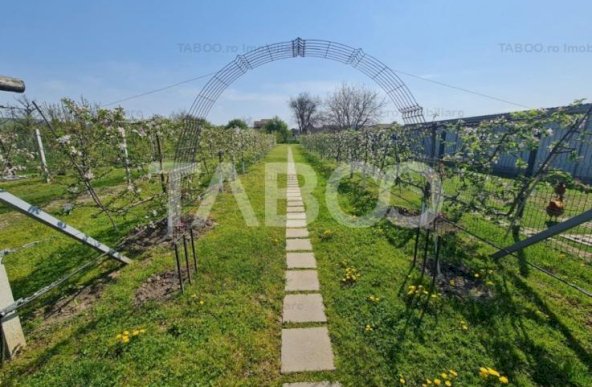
(125, 333)
(125, 339)
(503, 380)
(493, 372)
(453, 373)
(483, 372)
(444, 375)
(201, 302)
(437, 382)
(118, 336)
(135, 332)
(402, 381)
(448, 383)
(142, 330)
(428, 381)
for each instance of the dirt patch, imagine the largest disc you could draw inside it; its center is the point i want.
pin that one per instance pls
(76, 302)
(461, 282)
(157, 233)
(159, 287)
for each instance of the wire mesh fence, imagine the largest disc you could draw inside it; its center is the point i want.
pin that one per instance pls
(503, 178)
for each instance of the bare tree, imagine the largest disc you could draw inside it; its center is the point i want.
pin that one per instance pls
(351, 107)
(305, 109)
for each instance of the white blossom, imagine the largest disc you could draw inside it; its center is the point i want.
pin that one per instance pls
(64, 139)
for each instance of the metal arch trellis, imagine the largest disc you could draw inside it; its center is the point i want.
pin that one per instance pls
(380, 73)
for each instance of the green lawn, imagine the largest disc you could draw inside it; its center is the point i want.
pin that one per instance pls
(225, 330)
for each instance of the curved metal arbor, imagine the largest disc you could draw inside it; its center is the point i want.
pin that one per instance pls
(380, 73)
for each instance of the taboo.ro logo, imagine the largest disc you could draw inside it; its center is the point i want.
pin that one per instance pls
(385, 180)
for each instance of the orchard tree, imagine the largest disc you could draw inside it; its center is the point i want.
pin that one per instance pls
(236, 123)
(353, 107)
(306, 111)
(278, 127)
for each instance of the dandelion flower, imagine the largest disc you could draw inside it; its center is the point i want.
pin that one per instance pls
(483, 372)
(126, 333)
(493, 372)
(453, 373)
(448, 383)
(444, 375)
(402, 380)
(125, 339)
(503, 380)
(437, 382)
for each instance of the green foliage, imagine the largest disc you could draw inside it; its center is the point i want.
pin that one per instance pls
(236, 123)
(279, 128)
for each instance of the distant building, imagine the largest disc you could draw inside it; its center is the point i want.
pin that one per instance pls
(258, 124)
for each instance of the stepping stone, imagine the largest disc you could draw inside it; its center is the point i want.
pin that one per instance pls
(293, 190)
(296, 233)
(295, 223)
(302, 280)
(298, 244)
(296, 215)
(312, 384)
(299, 308)
(295, 203)
(294, 196)
(306, 349)
(301, 261)
(296, 209)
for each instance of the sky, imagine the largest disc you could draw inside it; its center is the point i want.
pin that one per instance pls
(459, 58)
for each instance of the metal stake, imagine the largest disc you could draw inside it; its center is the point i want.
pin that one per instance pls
(193, 249)
(178, 267)
(186, 257)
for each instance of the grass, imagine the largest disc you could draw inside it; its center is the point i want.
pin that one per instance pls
(225, 329)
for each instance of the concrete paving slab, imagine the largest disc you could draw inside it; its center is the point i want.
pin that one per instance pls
(302, 280)
(295, 209)
(296, 233)
(296, 215)
(306, 349)
(300, 308)
(298, 245)
(301, 261)
(295, 223)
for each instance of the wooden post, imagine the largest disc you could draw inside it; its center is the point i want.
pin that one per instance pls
(42, 155)
(12, 332)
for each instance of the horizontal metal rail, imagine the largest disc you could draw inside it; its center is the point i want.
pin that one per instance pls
(545, 234)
